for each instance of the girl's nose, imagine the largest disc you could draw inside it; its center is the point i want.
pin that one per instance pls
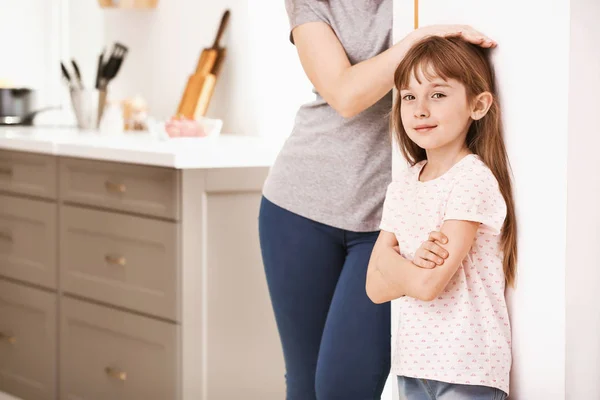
(421, 111)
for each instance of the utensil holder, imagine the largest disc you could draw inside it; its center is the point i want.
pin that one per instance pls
(88, 106)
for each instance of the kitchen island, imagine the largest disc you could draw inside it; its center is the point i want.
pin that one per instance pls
(130, 267)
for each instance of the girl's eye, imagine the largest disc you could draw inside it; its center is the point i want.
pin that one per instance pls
(438, 95)
(408, 97)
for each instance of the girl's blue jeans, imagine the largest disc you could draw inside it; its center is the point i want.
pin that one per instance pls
(426, 389)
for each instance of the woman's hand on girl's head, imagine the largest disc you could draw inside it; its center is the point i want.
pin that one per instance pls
(430, 254)
(465, 32)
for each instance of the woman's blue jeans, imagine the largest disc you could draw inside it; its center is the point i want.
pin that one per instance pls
(336, 342)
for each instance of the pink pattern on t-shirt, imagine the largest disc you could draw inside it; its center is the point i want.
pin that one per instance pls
(464, 335)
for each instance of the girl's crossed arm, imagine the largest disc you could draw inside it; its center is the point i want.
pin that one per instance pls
(390, 276)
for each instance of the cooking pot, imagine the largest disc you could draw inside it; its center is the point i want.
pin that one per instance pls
(16, 106)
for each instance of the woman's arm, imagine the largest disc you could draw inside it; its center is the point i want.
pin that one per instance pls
(390, 275)
(348, 89)
(352, 89)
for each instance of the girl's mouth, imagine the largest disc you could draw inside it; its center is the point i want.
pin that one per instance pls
(425, 128)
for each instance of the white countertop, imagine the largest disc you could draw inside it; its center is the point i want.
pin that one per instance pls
(223, 151)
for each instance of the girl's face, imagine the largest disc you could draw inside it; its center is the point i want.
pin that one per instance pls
(435, 113)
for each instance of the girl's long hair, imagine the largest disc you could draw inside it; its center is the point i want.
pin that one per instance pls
(454, 58)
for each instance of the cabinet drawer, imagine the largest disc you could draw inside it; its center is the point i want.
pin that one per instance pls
(28, 240)
(140, 189)
(28, 339)
(111, 354)
(120, 259)
(26, 173)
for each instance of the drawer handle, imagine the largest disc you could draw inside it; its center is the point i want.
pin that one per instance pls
(115, 373)
(115, 260)
(6, 236)
(9, 338)
(115, 187)
(6, 171)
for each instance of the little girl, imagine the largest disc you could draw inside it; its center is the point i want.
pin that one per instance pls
(453, 339)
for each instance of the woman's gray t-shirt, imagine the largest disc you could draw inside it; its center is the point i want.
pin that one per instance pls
(332, 169)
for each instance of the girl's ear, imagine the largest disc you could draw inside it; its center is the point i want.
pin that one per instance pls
(480, 105)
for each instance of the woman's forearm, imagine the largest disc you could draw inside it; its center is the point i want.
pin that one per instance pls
(363, 84)
(350, 89)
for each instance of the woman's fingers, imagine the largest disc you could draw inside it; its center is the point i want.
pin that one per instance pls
(473, 36)
(466, 32)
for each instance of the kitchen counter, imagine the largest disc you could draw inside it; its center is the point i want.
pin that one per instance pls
(223, 151)
(131, 266)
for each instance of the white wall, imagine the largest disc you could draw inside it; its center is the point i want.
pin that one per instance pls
(29, 59)
(262, 83)
(532, 63)
(261, 86)
(583, 202)
(280, 84)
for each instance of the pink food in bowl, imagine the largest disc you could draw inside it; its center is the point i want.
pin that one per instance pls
(184, 127)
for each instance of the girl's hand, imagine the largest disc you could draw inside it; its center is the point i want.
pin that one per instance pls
(463, 31)
(431, 254)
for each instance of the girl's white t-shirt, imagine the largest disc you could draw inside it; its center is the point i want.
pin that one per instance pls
(464, 335)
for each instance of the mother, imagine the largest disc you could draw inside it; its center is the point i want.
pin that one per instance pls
(322, 201)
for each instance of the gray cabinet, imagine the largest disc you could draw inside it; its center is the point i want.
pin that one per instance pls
(28, 341)
(29, 174)
(124, 281)
(122, 260)
(111, 354)
(28, 240)
(152, 191)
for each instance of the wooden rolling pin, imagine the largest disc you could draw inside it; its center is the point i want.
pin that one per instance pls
(201, 85)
